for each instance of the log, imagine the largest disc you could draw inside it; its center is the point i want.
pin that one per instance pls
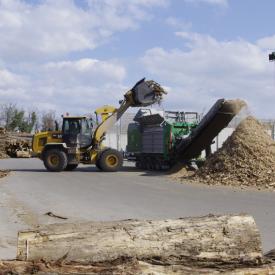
(208, 241)
(133, 268)
(23, 154)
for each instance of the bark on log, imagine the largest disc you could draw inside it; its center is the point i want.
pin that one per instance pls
(231, 240)
(129, 268)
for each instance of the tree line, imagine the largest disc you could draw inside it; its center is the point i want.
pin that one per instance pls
(15, 118)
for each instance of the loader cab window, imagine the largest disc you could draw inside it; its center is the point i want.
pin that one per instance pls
(86, 127)
(71, 126)
(77, 132)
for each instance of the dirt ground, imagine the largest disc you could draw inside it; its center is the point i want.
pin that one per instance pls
(3, 173)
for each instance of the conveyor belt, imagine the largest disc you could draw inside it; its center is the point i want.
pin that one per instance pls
(218, 117)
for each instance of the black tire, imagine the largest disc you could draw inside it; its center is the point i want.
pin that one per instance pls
(97, 164)
(158, 165)
(110, 160)
(138, 165)
(148, 164)
(71, 167)
(153, 164)
(55, 160)
(142, 164)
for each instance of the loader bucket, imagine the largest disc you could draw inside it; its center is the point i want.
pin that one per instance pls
(146, 93)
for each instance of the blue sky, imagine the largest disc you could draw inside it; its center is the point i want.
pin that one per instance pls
(247, 19)
(76, 55)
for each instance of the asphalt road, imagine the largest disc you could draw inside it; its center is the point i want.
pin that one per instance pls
(87, 194)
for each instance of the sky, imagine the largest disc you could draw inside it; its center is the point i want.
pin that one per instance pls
(76, 55)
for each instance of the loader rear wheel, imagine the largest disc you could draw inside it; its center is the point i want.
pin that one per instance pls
(71, 167)
(110, 160)
(55, 160)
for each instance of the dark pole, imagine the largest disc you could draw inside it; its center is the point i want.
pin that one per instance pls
(272, 57)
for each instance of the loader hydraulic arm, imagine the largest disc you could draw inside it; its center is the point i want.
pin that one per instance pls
(144, 93)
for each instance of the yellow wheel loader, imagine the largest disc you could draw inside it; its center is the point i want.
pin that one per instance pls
(81, 142)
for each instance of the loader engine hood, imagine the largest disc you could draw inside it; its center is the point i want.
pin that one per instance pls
(146, 93)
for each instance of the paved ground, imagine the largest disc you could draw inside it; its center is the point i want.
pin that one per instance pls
(87, 194)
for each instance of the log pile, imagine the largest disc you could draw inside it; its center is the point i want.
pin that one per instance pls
(3, 154)
(246, 159)
(202, 245)
(3, 139)
(15, 145)
(18, 148)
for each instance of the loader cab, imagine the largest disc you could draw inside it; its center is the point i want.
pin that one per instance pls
(77, 131)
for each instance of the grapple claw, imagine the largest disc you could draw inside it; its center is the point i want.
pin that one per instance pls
(147, 92)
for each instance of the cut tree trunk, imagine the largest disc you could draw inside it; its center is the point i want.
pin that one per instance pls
(127, 268)
(209, 241)
(23, 154)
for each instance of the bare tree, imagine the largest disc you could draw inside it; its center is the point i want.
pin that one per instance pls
(8, 112)
(48, 121)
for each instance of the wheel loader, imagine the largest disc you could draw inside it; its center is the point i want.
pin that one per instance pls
(80, 141)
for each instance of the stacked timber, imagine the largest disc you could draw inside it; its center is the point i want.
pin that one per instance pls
(18, 148)
(15, 145)
(18, 145)
(3, 139)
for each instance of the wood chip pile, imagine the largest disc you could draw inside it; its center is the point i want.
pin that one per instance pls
(247, 158)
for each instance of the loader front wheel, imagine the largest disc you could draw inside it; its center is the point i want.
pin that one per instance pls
(71, 167)
(110, 160)
(97, 164)
(55, 160)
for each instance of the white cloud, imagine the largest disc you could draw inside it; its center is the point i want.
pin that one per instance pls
(9, 79)
(223, 3)
(53, 28)
(267, 42)
(12, 87)
(75, 86)
(89, 71)
(178, 23)
(39, 41)
(207, 69)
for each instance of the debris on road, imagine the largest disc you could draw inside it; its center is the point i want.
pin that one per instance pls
(4, 173)
(51, 214)
(247, 158)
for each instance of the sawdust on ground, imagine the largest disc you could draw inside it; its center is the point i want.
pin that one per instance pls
(246, 159)
(3, 173)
